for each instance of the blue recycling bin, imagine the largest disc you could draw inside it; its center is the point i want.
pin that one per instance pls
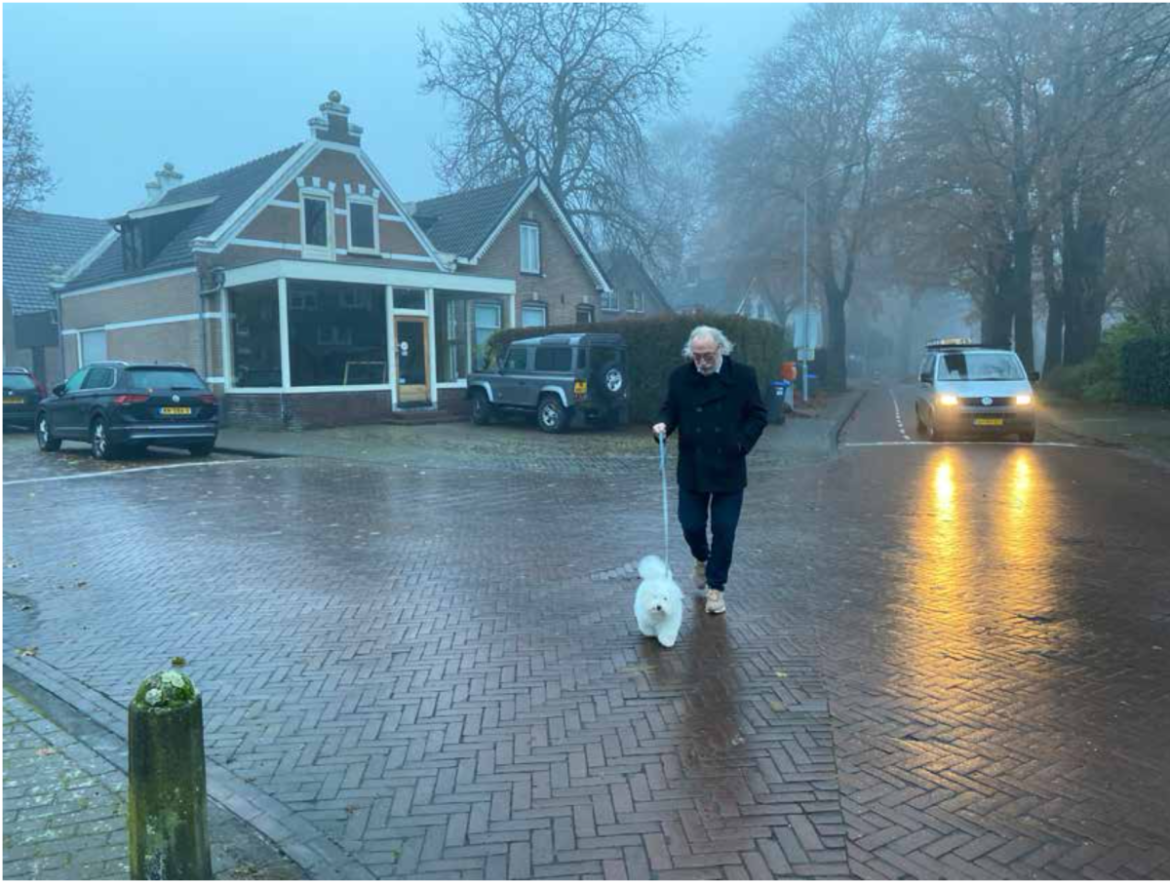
(777, 400)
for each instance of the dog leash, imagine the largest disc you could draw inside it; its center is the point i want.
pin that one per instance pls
(665, 505)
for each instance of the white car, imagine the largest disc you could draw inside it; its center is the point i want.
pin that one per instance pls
(968, 389)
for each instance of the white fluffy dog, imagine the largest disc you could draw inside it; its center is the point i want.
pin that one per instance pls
(658, 605)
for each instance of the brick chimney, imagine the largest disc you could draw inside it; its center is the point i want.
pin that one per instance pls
(335, 124)
(165, 179)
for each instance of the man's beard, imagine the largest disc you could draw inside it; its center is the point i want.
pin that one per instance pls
(707, 369)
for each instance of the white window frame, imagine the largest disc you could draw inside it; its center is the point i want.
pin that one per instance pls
(328, 251)
(474, 325)
(610, 301)
(350, 201)
(534, 306)
(530, 227)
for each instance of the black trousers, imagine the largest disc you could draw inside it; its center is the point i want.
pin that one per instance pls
(692, 515)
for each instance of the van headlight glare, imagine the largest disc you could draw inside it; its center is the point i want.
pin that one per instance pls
(948, 399)
(1023, 400)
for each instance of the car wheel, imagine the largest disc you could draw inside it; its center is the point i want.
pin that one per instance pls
(99, 441)
(1028, 437)
(551, 415)
(918, 420)
(202, 449)
(934, 433)
(46, 441)
(481, 408)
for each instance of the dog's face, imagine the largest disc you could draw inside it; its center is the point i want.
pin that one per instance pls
(660, 601)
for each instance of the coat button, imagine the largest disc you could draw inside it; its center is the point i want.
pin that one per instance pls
(717, 429)
(699, 409)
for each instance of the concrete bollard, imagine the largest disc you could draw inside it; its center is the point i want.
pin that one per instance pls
(168, 781)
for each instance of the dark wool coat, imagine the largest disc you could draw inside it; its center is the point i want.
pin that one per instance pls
(719, 419)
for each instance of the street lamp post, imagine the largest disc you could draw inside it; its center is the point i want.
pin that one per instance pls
(804, 272)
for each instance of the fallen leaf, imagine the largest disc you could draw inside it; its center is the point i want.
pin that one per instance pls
(178, 661)
(26, 651)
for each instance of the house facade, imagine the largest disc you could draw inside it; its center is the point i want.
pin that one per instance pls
(309, 294)
(633, 294)
(37, 246)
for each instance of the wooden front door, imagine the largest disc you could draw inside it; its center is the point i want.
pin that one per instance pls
(410, 343)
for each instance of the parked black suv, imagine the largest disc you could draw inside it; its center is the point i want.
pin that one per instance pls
(561, 378)
(121, 406)
(22, 392)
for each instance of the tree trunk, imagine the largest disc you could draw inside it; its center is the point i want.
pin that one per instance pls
(1021, 296)
(1093, 241)
(997, 311)
(838, 370)
(1054, 327)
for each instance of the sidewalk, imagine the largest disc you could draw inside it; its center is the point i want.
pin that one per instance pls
(519, 445)
(65, 804)
(1145, 430)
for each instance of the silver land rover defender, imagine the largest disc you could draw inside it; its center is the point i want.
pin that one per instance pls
(564, 379)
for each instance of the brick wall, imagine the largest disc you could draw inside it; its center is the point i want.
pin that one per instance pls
(564, 282)
(305, 410)
(154, 299)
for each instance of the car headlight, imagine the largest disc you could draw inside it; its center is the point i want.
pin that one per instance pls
(1024, 400)
(948, 399)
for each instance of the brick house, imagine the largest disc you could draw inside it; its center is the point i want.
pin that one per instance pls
(36, 245)
(308, 293)
(634, 294)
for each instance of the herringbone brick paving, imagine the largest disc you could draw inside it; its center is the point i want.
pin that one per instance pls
(441, 670)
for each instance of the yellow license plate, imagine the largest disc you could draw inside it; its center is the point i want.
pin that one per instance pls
(579, 387)
(176, 410)
(12, 401)
(989, 421)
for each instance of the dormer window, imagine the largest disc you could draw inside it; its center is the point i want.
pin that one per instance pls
(363, 225)
(530, 249)
(317, 224)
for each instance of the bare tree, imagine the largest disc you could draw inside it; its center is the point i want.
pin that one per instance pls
(560, 89)
(672, 197)
(27, 180)
(817, 115)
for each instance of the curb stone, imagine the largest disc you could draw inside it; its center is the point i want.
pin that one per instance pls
(317, 854)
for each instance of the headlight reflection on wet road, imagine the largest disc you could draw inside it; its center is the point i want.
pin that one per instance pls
(981, 550)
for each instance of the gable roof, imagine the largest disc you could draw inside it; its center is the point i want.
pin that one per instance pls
(712, 294)
(33, 243)
(467, 223)
(623, 268)
(460, 223)
(230, 189)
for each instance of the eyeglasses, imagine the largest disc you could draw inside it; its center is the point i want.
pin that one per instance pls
(705, 357)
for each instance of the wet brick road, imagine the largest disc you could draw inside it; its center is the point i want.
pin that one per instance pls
(938, 661)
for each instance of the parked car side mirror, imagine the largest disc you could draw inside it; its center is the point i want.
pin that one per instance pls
(924, 378)
(59, 389)
(1034, 376)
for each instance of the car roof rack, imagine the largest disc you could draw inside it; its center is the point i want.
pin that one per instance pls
(954, 343)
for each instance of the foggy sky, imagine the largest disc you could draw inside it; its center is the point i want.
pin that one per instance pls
(119, 89)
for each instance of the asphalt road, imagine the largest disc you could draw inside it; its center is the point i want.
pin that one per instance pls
(938, 661)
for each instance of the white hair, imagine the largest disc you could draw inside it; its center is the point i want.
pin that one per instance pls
(725, 346)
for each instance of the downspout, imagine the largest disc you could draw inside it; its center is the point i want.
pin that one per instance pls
(217, 278)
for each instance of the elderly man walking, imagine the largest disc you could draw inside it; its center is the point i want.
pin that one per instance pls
(714, 403)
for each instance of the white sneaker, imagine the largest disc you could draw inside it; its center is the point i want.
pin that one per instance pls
(715, 602)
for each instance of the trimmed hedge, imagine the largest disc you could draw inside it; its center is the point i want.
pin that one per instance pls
(654, 348)
(1145, 371)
